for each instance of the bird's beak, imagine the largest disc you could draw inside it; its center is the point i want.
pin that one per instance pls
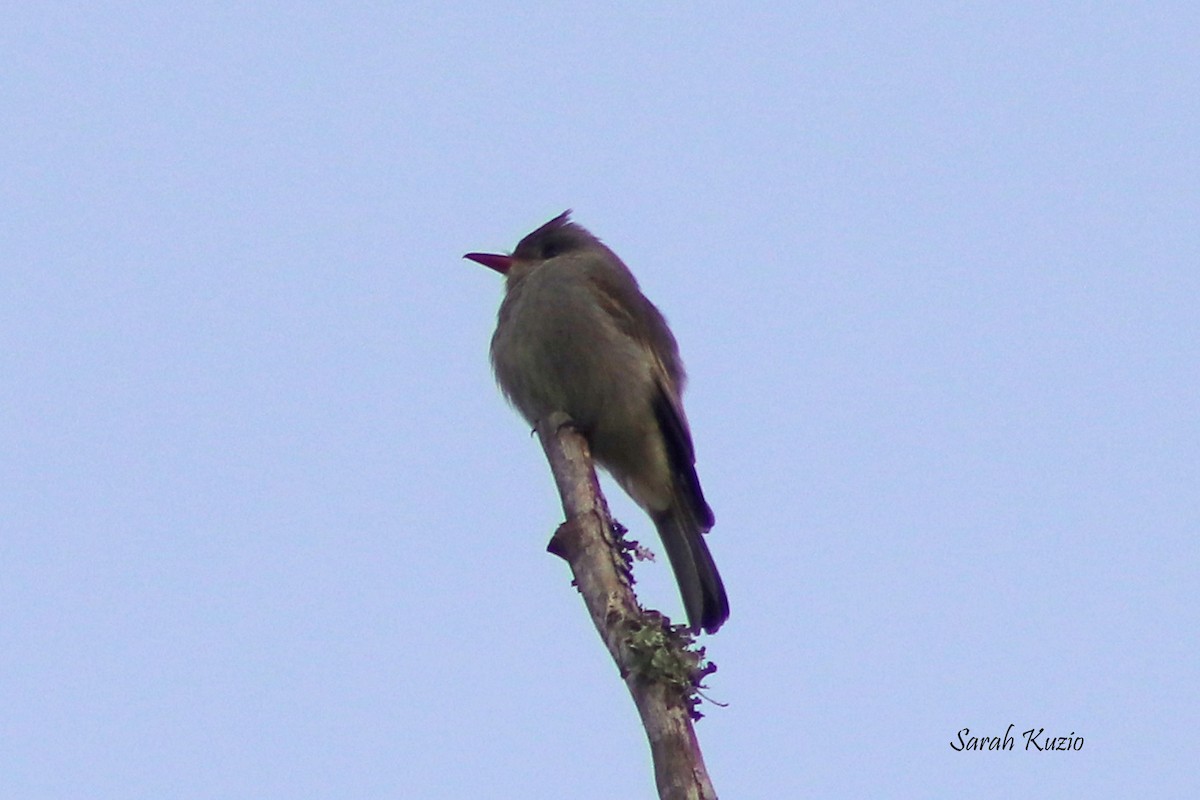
(500, 263)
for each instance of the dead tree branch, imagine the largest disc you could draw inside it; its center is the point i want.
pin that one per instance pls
(660, 669)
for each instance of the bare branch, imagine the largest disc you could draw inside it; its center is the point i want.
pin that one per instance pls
(653, 657)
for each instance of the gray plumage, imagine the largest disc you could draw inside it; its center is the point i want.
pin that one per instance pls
(575, 334)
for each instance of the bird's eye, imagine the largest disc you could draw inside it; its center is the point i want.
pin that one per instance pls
(551, 249)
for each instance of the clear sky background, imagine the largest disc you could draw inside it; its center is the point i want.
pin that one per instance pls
(268, 530)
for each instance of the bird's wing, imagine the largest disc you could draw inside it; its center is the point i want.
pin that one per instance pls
(682, 456)
(618, 294)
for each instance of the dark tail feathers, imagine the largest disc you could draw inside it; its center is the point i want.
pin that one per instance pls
(699, 582)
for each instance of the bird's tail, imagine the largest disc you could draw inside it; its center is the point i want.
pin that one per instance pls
(695, 571)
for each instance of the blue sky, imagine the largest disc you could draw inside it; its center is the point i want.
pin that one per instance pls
(268, 530)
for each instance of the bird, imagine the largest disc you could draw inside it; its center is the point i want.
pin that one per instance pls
(576, 336)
